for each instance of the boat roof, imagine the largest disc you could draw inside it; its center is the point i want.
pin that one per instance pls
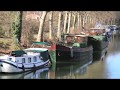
(36, 49)
(76, 35)
(41, 43)
(18, 52)
(99, 37)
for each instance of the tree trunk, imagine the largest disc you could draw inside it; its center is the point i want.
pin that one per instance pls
(80, 16)
(82, 21)
(90, 20)
(86, 21)
(74, 17)
(50, 25)
(40, 32)
(21, 15)
(59, 26)
(65, 22)
(78, 23)
(69, 19)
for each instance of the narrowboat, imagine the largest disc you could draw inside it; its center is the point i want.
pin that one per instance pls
(99, 42)
(74, 48)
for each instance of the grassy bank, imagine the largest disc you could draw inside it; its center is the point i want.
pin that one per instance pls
(5, 45)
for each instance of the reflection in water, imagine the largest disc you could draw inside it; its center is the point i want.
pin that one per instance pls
(65, 71)
(99, 55)
(109, 68)
(39, 74)
(113, 66)
(112, 63)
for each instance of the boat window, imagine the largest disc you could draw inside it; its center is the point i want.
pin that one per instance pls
(35, 59)
(17, 61)
(41, 57)
(29, 60)
(23, 60)
(10, 59)
(70, 39)
(80, 39)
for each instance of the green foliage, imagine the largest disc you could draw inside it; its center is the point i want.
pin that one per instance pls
(15, 29)
(16, 33)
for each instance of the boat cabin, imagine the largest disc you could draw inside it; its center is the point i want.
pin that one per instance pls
(74, 40)
(42, 51)
(22, 57)
(29, 55)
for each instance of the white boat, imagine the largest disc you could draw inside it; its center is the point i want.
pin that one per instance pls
(25, 60)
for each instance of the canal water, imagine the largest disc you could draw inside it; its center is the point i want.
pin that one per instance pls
(108, 68)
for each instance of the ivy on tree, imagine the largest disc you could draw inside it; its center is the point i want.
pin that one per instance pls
(16, 32)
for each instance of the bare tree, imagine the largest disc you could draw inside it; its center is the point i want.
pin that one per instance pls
(65, 22)
(40, 32)
(59, 26)
(74, 17)
(78, 22)
(21, 19)
(50, 25)
(82, 20)
(69, 19)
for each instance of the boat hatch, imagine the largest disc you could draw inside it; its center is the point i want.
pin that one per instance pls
(18, 53)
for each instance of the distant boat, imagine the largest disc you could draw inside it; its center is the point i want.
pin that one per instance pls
(74, 48)
(99, 42)
(101, 31)
(25, 60)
